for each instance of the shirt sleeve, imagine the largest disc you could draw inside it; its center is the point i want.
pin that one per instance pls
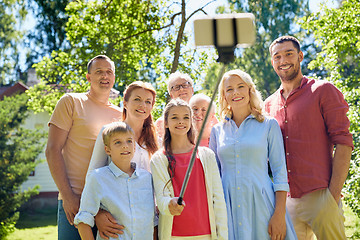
(161, 178)
(277, 157)
(334, 109)
(90, 202)
(62, 117)
(99, 158)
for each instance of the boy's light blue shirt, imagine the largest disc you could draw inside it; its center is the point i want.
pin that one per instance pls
(129, 199)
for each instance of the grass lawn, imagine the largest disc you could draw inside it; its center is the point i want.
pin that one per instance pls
(41, 224)
(36, 225)
(352, 224)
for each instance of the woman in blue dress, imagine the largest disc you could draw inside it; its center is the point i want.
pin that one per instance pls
(244, 142)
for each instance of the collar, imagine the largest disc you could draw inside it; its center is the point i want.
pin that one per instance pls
(303, 82)
(231, 120)
(118, 172)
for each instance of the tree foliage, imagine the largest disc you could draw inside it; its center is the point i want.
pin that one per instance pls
(19, 148)
(123, 30)
(11, 12)
(272, 19)
(49, 33)
(337, 31)
(146, 40)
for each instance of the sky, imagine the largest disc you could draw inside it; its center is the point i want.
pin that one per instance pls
(210, 9)
(195, 4)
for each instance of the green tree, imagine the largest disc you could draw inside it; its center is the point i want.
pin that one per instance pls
(19, 148)
(145, 39)
(337, 31)
(49, 33)
(272, 19)
(11, 13)
(123, 30)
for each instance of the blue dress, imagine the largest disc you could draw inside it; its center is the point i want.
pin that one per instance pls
(242, 154)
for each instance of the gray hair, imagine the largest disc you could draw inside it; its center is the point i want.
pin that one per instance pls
(177, 75)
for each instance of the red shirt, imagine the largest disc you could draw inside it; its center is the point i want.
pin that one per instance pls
(312, 120)
(194, 219)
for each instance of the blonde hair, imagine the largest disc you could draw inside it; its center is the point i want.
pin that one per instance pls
(255, 102)
(113, 128)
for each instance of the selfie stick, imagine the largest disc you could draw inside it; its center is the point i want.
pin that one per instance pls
(226, 55)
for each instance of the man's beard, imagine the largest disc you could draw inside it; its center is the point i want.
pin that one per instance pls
(291, 77)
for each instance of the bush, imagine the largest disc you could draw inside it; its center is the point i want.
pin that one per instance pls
(19, 148)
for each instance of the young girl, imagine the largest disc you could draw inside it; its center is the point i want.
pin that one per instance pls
(203, 212)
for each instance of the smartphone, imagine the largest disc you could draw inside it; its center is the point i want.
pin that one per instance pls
(226, 26)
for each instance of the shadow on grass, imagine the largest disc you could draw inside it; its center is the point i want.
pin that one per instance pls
(37, 218)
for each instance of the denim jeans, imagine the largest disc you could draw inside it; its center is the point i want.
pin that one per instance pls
(65, 230)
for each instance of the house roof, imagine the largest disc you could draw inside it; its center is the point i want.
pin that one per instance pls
(11, 90)
(20, 88)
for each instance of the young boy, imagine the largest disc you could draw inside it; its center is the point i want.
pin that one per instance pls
(119, 188)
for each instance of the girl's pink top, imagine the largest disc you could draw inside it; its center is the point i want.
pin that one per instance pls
(194, 219)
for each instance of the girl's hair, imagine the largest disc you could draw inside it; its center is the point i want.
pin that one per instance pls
(167, 136)
(148, 133)
(255, 102)
(113, 128)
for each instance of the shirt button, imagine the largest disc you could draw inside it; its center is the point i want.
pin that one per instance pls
(238, 171)
(132, 205)
(287, 136)
(289, 170)
(238, 188)
(285, 106)
(237, 155)
(287, 154)
(240, 223)
(238, 205)
(285, 121)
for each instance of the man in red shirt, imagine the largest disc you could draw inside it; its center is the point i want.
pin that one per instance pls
(312, 117)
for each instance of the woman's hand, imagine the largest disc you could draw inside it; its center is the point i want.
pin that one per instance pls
(277, 227)
(277, 223)
(107, 225)
(174, 208)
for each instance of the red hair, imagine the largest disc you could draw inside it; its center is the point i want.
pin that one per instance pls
(148, 134)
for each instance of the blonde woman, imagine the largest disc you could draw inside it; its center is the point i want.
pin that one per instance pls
(243, 142)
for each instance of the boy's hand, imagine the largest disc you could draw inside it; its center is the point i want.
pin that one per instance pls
(174, 208)
(107, 225)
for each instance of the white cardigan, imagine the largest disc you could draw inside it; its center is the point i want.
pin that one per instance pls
(214, 191)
